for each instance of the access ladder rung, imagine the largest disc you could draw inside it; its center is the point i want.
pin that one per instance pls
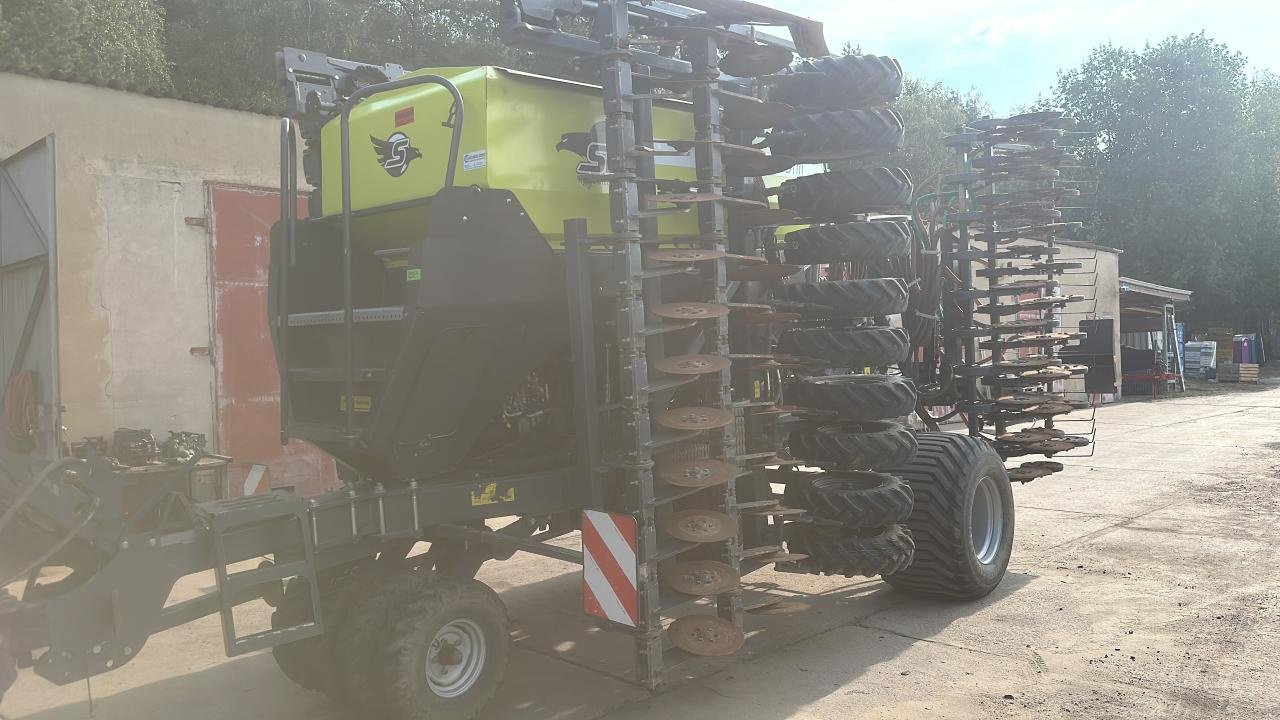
(271, 638)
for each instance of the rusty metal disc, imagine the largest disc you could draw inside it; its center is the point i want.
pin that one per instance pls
(695, 418)
(691, 364)
(757, 115)
(1026, 474)
(699, 526)
(698, 473)
(1049, 465)
(1032, 362)
(690, 311)
(1049, 409)
(691, 255)
(745, 62)
(1032, 435)
(1075, 369)
(1049, 373)
(1049, 447)
(701, 578)
(1076, 440)
(706, 635)
(763, 273)
(1020, 400)
(745, 259)
(782, 607)
(761, 216)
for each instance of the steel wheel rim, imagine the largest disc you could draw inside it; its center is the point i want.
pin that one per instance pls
(456, 658)
(986, 522)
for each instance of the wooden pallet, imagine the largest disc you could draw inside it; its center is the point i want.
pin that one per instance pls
(1238, 372)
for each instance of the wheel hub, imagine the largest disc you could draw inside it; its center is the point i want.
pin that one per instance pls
(456, 658)
(986, 522)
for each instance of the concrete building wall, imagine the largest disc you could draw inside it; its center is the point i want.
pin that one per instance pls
(133, 274)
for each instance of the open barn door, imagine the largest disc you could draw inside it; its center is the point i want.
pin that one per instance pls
(30, 412)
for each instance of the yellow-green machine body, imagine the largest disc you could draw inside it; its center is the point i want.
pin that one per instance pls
(514, 123)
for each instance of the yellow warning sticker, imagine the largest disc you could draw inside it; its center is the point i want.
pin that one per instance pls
(364, 403)
(489, 496)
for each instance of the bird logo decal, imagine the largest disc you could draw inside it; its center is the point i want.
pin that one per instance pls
(395, 153)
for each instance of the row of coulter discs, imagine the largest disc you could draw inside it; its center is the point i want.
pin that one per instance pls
(1017, 163)
(848, 519)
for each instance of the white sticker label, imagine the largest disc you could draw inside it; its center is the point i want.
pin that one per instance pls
(475, 160)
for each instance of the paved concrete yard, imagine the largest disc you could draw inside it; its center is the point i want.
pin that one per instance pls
(1143, 585)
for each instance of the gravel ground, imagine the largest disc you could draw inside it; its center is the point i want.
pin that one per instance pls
(1143, 585)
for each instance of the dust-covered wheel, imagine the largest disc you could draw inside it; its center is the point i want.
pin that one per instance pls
(418, 646)
(854, 397)
(838, 135)
(834, 83)
(854, 348)
(850, 191)
(861, 241)
(842, 551)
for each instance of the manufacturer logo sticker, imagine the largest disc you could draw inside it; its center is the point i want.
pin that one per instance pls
(395, 153)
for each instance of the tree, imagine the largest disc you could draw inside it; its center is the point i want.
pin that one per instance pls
(930, 112)
(107, 41)
(1185, 181)
(223, 50)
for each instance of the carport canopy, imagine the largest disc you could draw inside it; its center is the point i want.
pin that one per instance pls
(1142, 304)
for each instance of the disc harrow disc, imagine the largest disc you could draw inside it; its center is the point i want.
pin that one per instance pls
(1033, 435)
(698, 473)
(1025, 474)
(1049, 465)
(706, 635)
(699, 526)
(1049, 409)
(691, 364)
(685, 256)
(701, 578)
(1050, 447)
(695, 418)
(751, 61)
(1077, 440)
(1031, 362)
(690, 311)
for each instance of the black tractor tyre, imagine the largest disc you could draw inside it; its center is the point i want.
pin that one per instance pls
(836, 83)
(863, 241)
(842, 299)
(873, 445)
(849, 191)
(459, 607)
(854, 397)
(854, 348)
(963, 520)
(385, 647)
(855, 499)
(840, 551)
(838, 135)
(311, 663)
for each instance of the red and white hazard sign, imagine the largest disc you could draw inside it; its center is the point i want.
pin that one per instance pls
(609, 567)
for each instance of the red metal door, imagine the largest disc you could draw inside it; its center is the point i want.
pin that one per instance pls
(248, 384)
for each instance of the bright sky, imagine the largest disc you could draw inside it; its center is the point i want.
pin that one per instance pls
(1011, 50)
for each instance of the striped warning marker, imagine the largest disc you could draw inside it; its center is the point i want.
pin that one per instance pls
(609, 567)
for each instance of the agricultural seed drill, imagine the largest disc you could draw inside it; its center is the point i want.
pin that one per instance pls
(651, 319)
